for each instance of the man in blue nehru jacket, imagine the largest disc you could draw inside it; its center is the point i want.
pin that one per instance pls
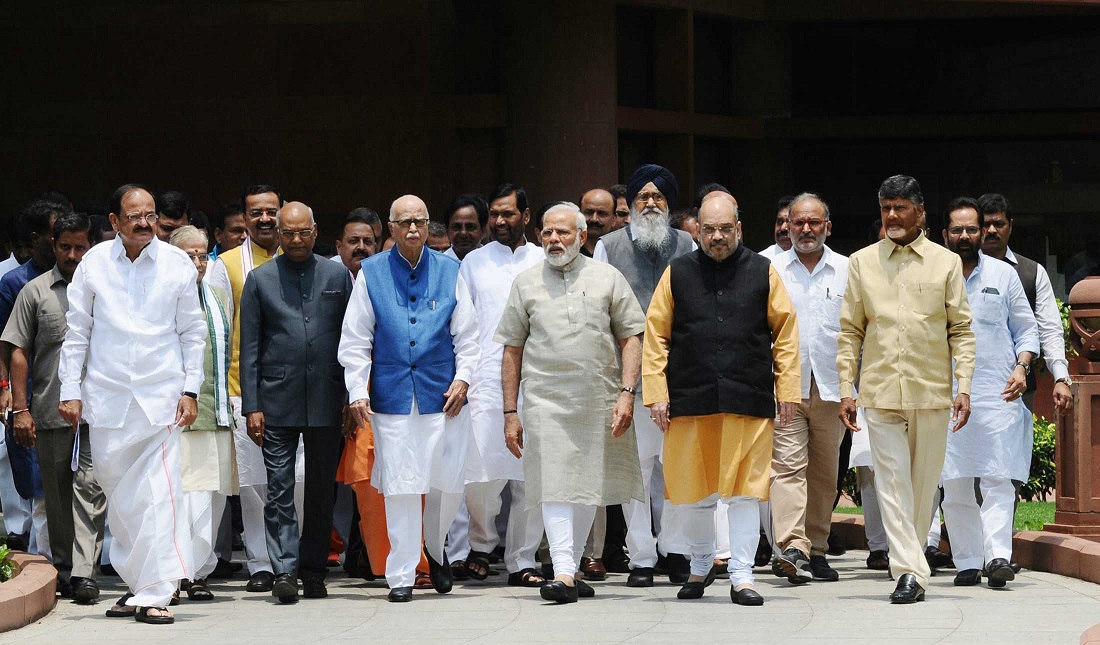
(411, 319)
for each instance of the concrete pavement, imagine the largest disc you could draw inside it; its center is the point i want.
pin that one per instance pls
(1036, 608)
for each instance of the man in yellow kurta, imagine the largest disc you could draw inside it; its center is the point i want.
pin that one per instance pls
(721, 346)
(260, 205)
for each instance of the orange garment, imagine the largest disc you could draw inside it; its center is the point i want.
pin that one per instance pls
(355, 468)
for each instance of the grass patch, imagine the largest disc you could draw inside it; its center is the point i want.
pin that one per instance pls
(1030, 516)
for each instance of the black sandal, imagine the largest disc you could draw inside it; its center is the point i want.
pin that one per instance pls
(126, 611)
(526, 578)
(477, 565)
(459, 570)
(198, 590)
(142, 616)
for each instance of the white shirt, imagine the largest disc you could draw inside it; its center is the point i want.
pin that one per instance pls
(996, 441)
(1048, 317)
(139, 328)
(357, 336)
(772, 251)
(817, 296)
(8, 264)
(450, 252)
(489, 272)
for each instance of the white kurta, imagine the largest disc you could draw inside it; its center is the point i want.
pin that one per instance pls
(997, 440)
(489, 272)
(413, 452)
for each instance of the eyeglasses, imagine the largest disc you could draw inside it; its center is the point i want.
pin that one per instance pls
(419, 222)
(711, 230)
(290, 235)
(257, 213)
(959, 230)
(201, 258)
(643, 198)
(812, 223)
(134, 218)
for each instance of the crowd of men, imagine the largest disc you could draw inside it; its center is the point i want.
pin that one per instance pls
(616, 393)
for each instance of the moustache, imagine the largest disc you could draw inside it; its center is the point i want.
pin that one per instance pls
(143, 229)
(359, 254)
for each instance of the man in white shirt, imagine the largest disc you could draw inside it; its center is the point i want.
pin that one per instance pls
(782, 229)
(997, 230)
(490, 467)
(136, 324)
(806, 451)
(409, 349)
(995, 446)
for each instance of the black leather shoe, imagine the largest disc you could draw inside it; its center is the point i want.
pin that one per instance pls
(442, 577)
(968, 578)
(747, 597)
(793, 563)
(260, 581)
(224, 569)
(559, 592)
(400, 594)
(85, 590)
(65, 589)
(285, 588)
(679, 568)
(640, 577)
(821, 571)
(908, 591)
(763, 551)
(999, 572)
(836, 545)
(314, 588)
(584, 590)
(694, 590)
(878, 560)
(937, 559)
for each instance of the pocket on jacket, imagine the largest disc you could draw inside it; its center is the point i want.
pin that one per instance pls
(272, 372)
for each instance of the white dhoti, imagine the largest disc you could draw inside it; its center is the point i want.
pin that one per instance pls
(138, 467)
(209, 474)
(204, 513)
(418, 454)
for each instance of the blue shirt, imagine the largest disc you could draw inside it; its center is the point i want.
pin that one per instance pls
(12, 283)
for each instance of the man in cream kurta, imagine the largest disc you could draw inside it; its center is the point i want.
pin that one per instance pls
(489, 272)
(563, 327)
(905, 310)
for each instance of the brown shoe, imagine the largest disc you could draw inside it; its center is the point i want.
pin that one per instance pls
(593, 569)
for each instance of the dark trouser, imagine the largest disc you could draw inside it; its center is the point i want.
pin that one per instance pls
(76, 507)
(308, 558)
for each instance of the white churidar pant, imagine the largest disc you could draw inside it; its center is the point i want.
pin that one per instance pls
(524, 533)
(743, 515)
(567, 527)
(979, 535)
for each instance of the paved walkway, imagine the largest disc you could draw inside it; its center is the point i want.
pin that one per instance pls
(1037, 608)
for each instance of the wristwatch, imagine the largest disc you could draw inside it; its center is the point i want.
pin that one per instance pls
(1065, 379)
(629, 390)
(192, 395)
(1026, 366)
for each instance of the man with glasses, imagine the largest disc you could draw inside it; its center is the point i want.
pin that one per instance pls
(292, 387)
(409, 348)
(260, 205)
(806, 451)
(136, 327)
(995, 448)
(721, 348)
(641, 252)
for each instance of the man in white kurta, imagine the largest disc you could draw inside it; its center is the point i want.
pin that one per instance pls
(136, 324)
(409, 349)
(563, 329)
(995, 446)
(490, 467)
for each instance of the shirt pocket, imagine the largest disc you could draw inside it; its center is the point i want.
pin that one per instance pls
(52, 327)
(988, 309)
(830, 312)
(928, 299)
(596, 316)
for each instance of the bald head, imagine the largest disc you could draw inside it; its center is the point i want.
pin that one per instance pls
(598, 207)
(295, 208)
(297, 231)
(719, 228)
(407, 206)
(718, 193)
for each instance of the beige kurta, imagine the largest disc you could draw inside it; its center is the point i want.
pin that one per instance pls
(569, 322)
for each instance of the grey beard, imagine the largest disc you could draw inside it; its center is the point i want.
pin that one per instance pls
(650, 231)
(571, 253)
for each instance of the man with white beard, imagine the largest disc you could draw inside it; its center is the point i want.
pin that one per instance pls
(642, 251)
(563, 329)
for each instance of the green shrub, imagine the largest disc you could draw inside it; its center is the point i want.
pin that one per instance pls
(8, 569)
(1041, 479)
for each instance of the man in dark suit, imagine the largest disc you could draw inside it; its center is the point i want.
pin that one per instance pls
(292, 385)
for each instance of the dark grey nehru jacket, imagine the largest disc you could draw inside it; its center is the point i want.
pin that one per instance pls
(643, 269)
(291, 315)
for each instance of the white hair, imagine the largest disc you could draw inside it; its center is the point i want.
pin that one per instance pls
(803, 197)
(187, 234)
(393, 207)
(582, 224)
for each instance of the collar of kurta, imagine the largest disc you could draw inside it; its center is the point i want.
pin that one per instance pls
(917, 245)
(790, 257)
(574, 265)
(150, 249)
(310, 261)
(1010, 257)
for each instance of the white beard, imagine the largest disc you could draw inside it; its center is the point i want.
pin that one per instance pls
(649, 228)
(570, 254)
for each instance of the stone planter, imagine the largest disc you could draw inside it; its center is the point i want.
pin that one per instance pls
(30, 595)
